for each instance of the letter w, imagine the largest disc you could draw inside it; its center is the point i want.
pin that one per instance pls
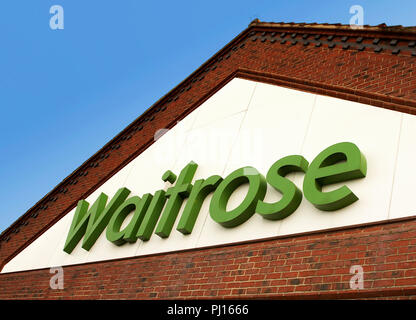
(92, 222)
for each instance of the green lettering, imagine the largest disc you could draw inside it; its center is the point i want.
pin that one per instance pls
(292, 195)
(176, 195)
(257, 190)
(337, 163)
(92, 222)
(201, 189)
(152, 215)
(139, 206)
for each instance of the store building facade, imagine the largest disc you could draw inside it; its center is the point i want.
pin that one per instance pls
(281, 168)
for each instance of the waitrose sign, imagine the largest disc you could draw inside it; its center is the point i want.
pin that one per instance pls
(157, 213)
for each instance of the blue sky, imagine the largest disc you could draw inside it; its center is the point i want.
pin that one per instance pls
(65, 93)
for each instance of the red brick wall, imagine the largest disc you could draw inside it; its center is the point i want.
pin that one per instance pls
(305, 266)
(380, 79)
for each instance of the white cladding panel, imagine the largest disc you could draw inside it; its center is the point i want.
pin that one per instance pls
(249, 123)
